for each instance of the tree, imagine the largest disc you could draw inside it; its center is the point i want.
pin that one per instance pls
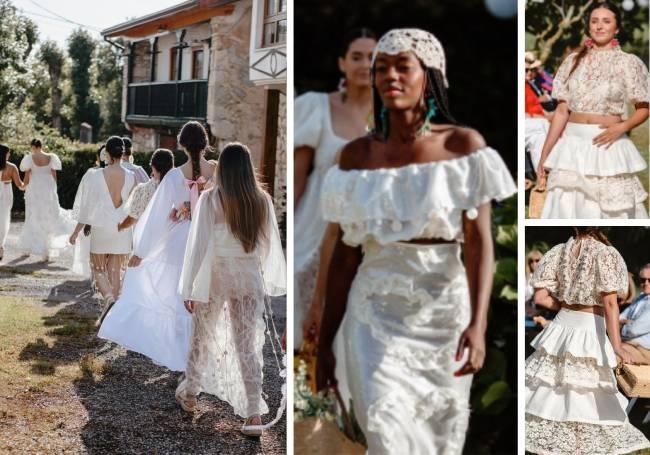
(53, 57)
(17, 37)
(81, 47)
(108, 88)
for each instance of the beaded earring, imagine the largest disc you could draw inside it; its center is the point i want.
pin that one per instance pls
(383, 115)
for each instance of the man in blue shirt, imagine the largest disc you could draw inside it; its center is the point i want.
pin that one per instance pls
(635, 322)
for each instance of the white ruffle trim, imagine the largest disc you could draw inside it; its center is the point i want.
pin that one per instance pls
(578, 373)
(548, 437)
(576, 152)
(561, 340)
(393, 204)
(612, 193)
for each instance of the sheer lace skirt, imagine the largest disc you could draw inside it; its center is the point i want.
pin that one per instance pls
(406, 310)
(107, 271)
(227, 339)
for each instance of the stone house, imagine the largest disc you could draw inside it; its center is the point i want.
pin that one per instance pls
(220, 62)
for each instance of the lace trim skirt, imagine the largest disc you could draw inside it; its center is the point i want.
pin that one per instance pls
(572, 403)
(588, 181)
(406, 310)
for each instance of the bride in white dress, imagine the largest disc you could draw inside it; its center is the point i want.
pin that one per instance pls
(412, 312)
(100, 203)
(149, 317)
(233, 260)
(8, 173)
(47, 225)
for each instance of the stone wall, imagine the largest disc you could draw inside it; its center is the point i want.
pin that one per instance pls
(280, 184)
(235, 105)
(144, 139)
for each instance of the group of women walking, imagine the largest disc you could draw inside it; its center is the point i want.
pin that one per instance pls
(184, 262)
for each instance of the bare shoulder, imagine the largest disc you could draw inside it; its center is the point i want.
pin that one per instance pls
(465, 141)
(354, 154)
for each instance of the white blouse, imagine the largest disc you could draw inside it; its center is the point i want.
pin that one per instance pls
(581, 279)
(603, 82)
(424, 200)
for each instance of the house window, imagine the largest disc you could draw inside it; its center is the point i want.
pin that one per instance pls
(173, 64)
(275, 23)
(197, 64)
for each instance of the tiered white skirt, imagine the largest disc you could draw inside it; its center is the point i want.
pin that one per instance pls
(572, 403)
(587, 181)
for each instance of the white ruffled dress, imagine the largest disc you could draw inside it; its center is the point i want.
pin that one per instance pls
(589, 181)
(572, 403)
(409, 303)
(313, 128)
(47, 226)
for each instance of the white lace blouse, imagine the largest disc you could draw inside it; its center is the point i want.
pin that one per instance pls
(424, 200)
(603, 82)
(579, 271)
(140, 198)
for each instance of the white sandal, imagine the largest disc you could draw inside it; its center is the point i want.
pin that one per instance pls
(187, 403)
(252, 430)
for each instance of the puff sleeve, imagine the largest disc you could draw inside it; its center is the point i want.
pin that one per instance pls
(546, 274)
(273, 263)
(26, 163)
(636, 81)
(308, 123)
(55, 163)
(560, 82)
(611, 273)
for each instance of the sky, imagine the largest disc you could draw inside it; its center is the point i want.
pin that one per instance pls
(95, 15)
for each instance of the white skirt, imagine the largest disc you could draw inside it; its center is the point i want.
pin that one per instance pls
(406, 310)
(6, 203)
(588, 181)
(572, 403)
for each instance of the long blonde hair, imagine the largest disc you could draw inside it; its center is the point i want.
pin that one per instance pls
(242, 196)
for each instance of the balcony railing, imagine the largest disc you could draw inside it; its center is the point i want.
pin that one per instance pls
(176, 99)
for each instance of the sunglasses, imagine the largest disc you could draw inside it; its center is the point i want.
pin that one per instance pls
(644, 280)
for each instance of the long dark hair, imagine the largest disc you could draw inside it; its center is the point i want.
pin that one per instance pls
(4, 152)
(583, 50)
(242, 196)
(352, 35)
(434, 89)
(163, 161)
(593, 232)
(194, 139)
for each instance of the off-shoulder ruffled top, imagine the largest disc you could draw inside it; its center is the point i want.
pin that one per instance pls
(603, 81)
(424, 200)
(580, 271)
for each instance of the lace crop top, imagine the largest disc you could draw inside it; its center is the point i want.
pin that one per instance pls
(579, 271)
(602, 83)
(424, 200)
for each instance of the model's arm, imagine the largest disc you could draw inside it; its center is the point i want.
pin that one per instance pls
(53, 172)
(479, 267)
(560, 119)
(15, 176)
(610, 305)
(303, 158)
(546, 300)
(127, 223)
(26, 179)
(344, 264)
(612, 132)
(75, 233)
(312, 322)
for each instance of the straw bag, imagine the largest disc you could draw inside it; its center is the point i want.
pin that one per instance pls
(537, 198)
(634, 380)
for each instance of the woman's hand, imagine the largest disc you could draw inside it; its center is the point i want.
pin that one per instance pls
(325, 368)
(541, 175)
(610, 135)
(189, 306)
(625, 356)
(474, 340)
(311, 324)
(73, 238)
(134, 261)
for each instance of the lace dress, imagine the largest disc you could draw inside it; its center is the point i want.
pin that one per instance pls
(6, 203)
(409, 303)
(229, 287)
(313, 128)
(589, 181)
(572, 403)
(47, 226)
(140, 198)
(149, 316)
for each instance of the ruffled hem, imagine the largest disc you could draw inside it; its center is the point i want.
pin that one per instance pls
(401, 202)
(547, 437)
(579, 373)
(570, 405)
(576, 152)
(562, 341)
(612, 193)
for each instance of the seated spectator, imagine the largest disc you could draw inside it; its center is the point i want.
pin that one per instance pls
(635, 321)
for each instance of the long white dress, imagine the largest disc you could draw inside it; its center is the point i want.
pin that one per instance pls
(573, 405)
(229, 286)
(409, 303)
(149, 316)
(6, 203)
(589, 181)
(47, 226)
(313, 128)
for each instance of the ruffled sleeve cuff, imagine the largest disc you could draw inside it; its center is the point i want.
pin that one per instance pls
(308, 114)
(611, 273)
(636, 81)
(545, 276)
(560, 82)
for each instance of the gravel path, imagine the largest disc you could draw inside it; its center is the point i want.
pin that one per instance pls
(128, 406)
